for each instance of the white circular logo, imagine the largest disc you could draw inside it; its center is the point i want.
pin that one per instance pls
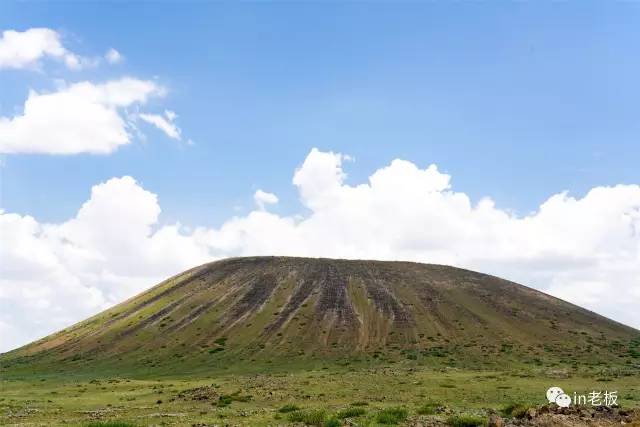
(563, 401)
(553, 393)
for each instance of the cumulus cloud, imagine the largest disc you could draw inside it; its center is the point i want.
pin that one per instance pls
(585, 250)
(25, 49)
(262, 198)
(81, 118)
(52, 275)
(166, 123)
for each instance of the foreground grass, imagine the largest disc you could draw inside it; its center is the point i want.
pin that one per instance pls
(383, 395)
(466, 421)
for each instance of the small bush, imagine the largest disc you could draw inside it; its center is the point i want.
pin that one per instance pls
(391, 416)
(466, 421)
(430, 408)
(515, 410)
(332, 422)
(288, 408)
(312, 417)
(350, 413)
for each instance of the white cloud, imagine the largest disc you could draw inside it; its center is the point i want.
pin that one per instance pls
(263, 198)
(586, 250)
(81, 118)
(164, 122)
(113, 56)
(52, 275)
(84, 117)
(24, 49)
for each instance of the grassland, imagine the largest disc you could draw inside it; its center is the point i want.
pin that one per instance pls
(359, 393)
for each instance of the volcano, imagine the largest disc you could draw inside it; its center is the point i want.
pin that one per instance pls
(281, 310)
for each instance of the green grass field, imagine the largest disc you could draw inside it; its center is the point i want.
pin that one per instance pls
(397, 393)
(281, 341)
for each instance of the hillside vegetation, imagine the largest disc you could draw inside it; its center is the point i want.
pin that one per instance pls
(248, 313)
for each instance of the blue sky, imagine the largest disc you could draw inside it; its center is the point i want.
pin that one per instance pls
(516, 101)
(291, 118)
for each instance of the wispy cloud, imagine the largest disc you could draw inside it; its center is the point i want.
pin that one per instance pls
(166, 123)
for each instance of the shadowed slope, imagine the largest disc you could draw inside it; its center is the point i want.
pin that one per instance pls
(279, 309)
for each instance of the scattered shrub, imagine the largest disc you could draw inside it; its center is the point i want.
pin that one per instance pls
(350, 413)
(332, 422)
(515, 410)
(315, 417)
(288, 408)
(391, 415)
(466, 421)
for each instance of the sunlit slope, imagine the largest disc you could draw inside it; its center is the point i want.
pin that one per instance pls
(279, 310)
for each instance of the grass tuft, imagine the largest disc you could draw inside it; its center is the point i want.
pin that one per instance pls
(466, 421)
(288, 408)
(316, 417)
(350, 413)
(392, 415)
(332, 422)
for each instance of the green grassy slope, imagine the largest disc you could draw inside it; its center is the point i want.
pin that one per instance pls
(247, 313)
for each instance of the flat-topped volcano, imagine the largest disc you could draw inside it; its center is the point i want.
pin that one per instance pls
(280, 309)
